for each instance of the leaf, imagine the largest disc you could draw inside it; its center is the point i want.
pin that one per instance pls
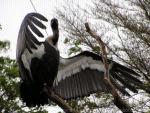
(74, 50)
(66, 40)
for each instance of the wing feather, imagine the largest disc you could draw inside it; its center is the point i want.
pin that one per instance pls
(31, 43)
(39, 16)
(125, 83)
(83, 74)
(35, 29)
(119, 66)
(32, 37)
(37, 22)
(119, 87)
(28, 47)
(26, 39)
(129, 76)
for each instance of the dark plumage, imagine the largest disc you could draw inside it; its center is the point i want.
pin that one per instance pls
(81, 75)
(38, 61)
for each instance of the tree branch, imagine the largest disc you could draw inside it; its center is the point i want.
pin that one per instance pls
(121, 104)
(59, 101)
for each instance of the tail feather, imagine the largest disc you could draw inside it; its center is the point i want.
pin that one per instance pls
(32, 94)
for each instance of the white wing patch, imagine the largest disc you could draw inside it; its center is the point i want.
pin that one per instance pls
(27, 56)
(75, 65)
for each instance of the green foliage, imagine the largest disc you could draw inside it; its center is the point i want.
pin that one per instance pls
(4, 45)
(74, 49)
(9, 86)
(66, 41)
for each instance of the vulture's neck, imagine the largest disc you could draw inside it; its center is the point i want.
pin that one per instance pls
(55, 36)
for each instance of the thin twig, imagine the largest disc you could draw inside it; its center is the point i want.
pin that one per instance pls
(121, 104)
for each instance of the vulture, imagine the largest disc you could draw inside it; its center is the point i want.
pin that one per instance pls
(40, 65)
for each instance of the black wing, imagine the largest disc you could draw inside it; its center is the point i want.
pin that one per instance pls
(26, 39)
(83, 74)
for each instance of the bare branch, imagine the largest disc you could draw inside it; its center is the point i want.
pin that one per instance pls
(122, 105)
(59, 101)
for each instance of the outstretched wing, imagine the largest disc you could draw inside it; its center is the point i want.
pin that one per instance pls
(27, 42)
(83, 75)
(26, 39)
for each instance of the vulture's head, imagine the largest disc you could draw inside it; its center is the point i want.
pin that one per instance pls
(54, 24)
